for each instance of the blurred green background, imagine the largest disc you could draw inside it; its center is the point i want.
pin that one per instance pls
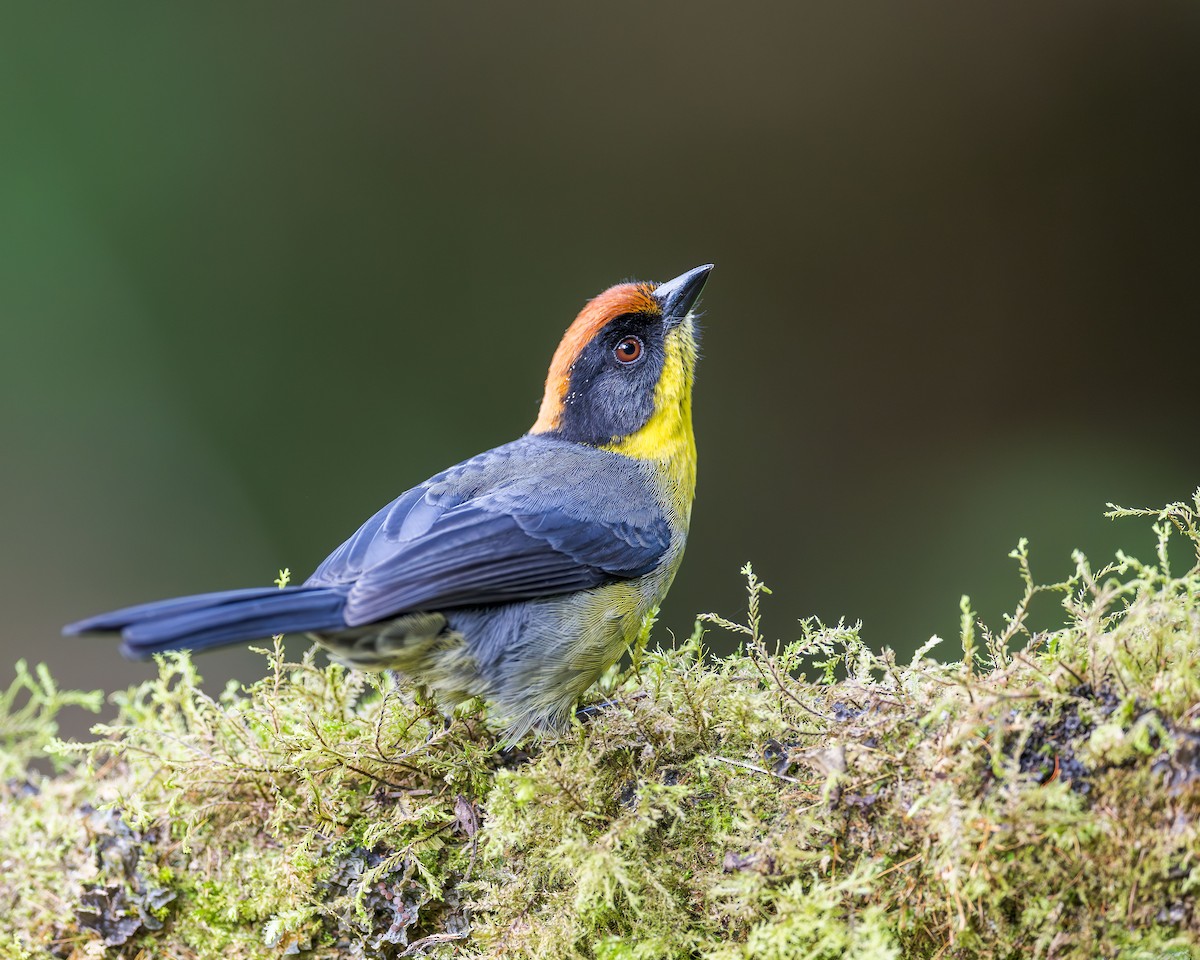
(263, 267)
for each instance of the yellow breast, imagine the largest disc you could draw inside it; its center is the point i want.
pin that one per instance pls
(667, 440)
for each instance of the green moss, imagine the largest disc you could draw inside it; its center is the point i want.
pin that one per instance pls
(809, 797)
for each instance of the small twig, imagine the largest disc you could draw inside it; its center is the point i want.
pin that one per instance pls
(750, 766)
(429, 941)
(1062, 663)
(1134, 887)
(902, 863)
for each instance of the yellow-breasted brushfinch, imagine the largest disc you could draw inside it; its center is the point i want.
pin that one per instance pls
(518, 575)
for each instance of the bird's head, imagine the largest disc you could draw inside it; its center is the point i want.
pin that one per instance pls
(622, 376)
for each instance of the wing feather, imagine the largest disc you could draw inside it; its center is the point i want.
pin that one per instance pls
(530, 519)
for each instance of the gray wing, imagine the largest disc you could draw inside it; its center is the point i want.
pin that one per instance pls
(534, 518)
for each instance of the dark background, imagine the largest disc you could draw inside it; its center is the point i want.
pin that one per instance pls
(264, 267)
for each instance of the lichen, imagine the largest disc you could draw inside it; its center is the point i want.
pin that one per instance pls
(809, 797)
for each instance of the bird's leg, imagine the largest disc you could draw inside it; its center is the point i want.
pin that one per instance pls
(592, 710)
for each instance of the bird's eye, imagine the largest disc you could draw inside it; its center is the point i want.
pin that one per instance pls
(628, 350)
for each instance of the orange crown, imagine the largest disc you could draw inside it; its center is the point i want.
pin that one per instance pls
(612, 303)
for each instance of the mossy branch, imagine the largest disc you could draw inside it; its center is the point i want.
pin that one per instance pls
(807, 796)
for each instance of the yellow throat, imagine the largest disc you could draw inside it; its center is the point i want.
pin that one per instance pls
(667, 439)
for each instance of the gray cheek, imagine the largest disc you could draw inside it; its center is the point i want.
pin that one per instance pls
(622, 405)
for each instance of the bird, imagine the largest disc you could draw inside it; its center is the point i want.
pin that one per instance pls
(517, 576)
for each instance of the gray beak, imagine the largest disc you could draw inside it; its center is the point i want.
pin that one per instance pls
(677, 296)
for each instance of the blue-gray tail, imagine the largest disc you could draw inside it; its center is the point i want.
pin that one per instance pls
(217, 619)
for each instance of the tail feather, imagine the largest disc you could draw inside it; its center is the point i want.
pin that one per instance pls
(217, 619)
(119, 619)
